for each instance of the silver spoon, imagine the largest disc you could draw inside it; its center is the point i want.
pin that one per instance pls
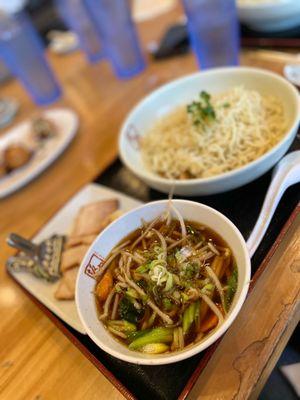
(285, 174)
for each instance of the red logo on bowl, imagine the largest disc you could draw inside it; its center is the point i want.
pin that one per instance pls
(94, 265)
(133, 136)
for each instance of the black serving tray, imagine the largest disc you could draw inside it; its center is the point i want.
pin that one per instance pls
(242, 206)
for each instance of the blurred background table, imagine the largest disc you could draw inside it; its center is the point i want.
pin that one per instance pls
(38, 361)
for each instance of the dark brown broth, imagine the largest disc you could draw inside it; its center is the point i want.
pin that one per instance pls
(173, 232)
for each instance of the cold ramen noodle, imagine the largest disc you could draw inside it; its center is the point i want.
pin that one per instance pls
(166, 286)
(214, 134)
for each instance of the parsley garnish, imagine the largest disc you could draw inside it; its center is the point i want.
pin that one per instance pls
(202, 111)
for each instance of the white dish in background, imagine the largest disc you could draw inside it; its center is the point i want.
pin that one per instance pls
(269, 15)
(144, 10)
(61, 223)
(182, 91)
(118, 230)
(66, 122)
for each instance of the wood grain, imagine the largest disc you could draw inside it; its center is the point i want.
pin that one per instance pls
(36, 360)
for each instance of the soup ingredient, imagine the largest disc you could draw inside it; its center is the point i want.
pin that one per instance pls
(104, 286)
(173, 281)
(129, 312)
(190, 316)
(209, 323)
(232, 286)
(155, 348)
(217, 134)
(122, 326)
(156, 335)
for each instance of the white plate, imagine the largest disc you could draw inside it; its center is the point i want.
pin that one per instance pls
(43, 291)
(66, 122)
(149, 9)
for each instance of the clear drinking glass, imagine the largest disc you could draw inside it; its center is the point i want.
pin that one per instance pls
(77, 16)
(22, 51)
(116, 28)
(214, 31)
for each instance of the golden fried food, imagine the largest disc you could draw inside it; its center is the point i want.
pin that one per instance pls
(15, 156)
(43, 128)
(3, 170)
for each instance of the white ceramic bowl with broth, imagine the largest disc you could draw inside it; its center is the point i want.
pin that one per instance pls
(182, 91)
(116, 232)
(269, 15)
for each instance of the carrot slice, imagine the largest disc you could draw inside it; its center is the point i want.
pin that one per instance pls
(104, 286)
(209, 323)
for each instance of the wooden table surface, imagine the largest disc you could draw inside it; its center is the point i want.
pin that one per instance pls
(36, 360)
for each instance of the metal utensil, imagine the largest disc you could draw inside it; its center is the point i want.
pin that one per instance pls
(41, 260)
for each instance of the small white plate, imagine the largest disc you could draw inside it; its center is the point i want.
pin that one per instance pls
(66, 122)
(149, 9)
(44, 291)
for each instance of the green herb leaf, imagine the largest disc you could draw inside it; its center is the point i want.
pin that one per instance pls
(202, 111)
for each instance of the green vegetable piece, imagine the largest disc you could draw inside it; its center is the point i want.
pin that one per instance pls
(122, 326)
(169, 283)
(137, 334)
(232, 283)
(151, 319)
(190, 230)
(167, 304)
(209, 287)
(191, 270)
(188, 317)
(155, 348)
(226, 105)
(118, 289)
(128, 312)
(156, 335)
(197, 313)
(143, 268)
(184, 297)
(132, 293)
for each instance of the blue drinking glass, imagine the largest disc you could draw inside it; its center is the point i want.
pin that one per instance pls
(117, 29)
(214, 31)
(22, 51)
(77, 17)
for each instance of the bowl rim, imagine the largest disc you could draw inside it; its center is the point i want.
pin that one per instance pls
(197, 348)
(271, 4)
(146, 174)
